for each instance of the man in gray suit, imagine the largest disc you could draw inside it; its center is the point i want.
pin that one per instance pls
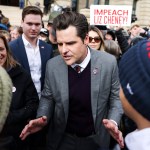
(80, 106)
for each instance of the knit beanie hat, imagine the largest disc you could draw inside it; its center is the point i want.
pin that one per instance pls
(134, 73)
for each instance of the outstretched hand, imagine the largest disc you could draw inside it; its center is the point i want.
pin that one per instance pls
(33, 126)
(114, 131)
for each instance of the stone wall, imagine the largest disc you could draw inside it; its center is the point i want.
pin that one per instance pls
(143, 12)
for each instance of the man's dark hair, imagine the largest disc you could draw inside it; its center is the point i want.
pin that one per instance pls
(77, 20)
(31, 10)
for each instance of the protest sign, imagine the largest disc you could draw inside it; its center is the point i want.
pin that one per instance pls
(114, 15)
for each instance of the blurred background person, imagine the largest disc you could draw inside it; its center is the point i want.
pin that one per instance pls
(113, 48)
(6, 34)
(53, 42)
(122, 38)
(50, 25)
(5, 24)
(110, 35)
(15, 32)
(44, 34)
(135, 40)
(1, 16)
(133, 32)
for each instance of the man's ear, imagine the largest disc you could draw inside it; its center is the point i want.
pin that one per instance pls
(86, 40)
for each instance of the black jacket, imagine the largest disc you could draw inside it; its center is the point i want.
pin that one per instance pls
(24, 103)
(122, 41)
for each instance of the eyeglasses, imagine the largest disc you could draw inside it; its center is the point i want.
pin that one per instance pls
(96, 39)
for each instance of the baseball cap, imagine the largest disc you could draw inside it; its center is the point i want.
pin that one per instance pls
(44, 31)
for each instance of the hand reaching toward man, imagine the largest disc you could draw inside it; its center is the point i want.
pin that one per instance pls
(33, 126)
(114, 131)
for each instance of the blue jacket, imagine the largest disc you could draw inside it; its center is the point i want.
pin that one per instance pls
(19, 52)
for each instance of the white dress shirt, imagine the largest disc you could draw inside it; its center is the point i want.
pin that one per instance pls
(34, 59)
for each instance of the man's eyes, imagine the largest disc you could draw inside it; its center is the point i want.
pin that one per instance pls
(36, 24)
(59, 44)
(69, 43)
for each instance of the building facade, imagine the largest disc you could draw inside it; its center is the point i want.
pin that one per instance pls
(141, 8)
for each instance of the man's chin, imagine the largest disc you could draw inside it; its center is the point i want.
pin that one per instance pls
(33, 36)
(69, 62)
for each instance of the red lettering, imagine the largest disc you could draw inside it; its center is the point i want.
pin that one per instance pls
(119, 12)
(97, 19)
(109, 12)
(109, 20)
(105, 11)
(125, 20)
(125, 12)
(105, 20)
(121, 20)
(98, 12)
(116, 20)
(114, 12)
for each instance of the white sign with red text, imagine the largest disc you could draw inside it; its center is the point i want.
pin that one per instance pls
(114, 15)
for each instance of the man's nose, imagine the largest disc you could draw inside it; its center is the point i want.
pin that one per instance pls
(64, 48)
(33, 26)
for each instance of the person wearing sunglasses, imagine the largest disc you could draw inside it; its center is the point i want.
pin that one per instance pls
(96, 40)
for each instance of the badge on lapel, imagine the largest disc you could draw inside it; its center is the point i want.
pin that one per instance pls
(95, 71)
(13, 89)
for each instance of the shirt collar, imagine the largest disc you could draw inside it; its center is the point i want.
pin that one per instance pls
(85, 61)
(26, 42)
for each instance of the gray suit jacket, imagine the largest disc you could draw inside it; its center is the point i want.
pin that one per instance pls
(104, 96)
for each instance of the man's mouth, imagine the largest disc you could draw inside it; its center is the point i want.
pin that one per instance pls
(66, 57)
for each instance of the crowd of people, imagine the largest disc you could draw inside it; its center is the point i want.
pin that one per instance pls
(75, 86)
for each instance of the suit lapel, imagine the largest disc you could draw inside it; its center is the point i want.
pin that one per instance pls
(62, 74)
(42, 53)
(95, 83)
(23, 55)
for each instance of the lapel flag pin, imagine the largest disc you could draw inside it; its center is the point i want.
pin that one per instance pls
(95, 71)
